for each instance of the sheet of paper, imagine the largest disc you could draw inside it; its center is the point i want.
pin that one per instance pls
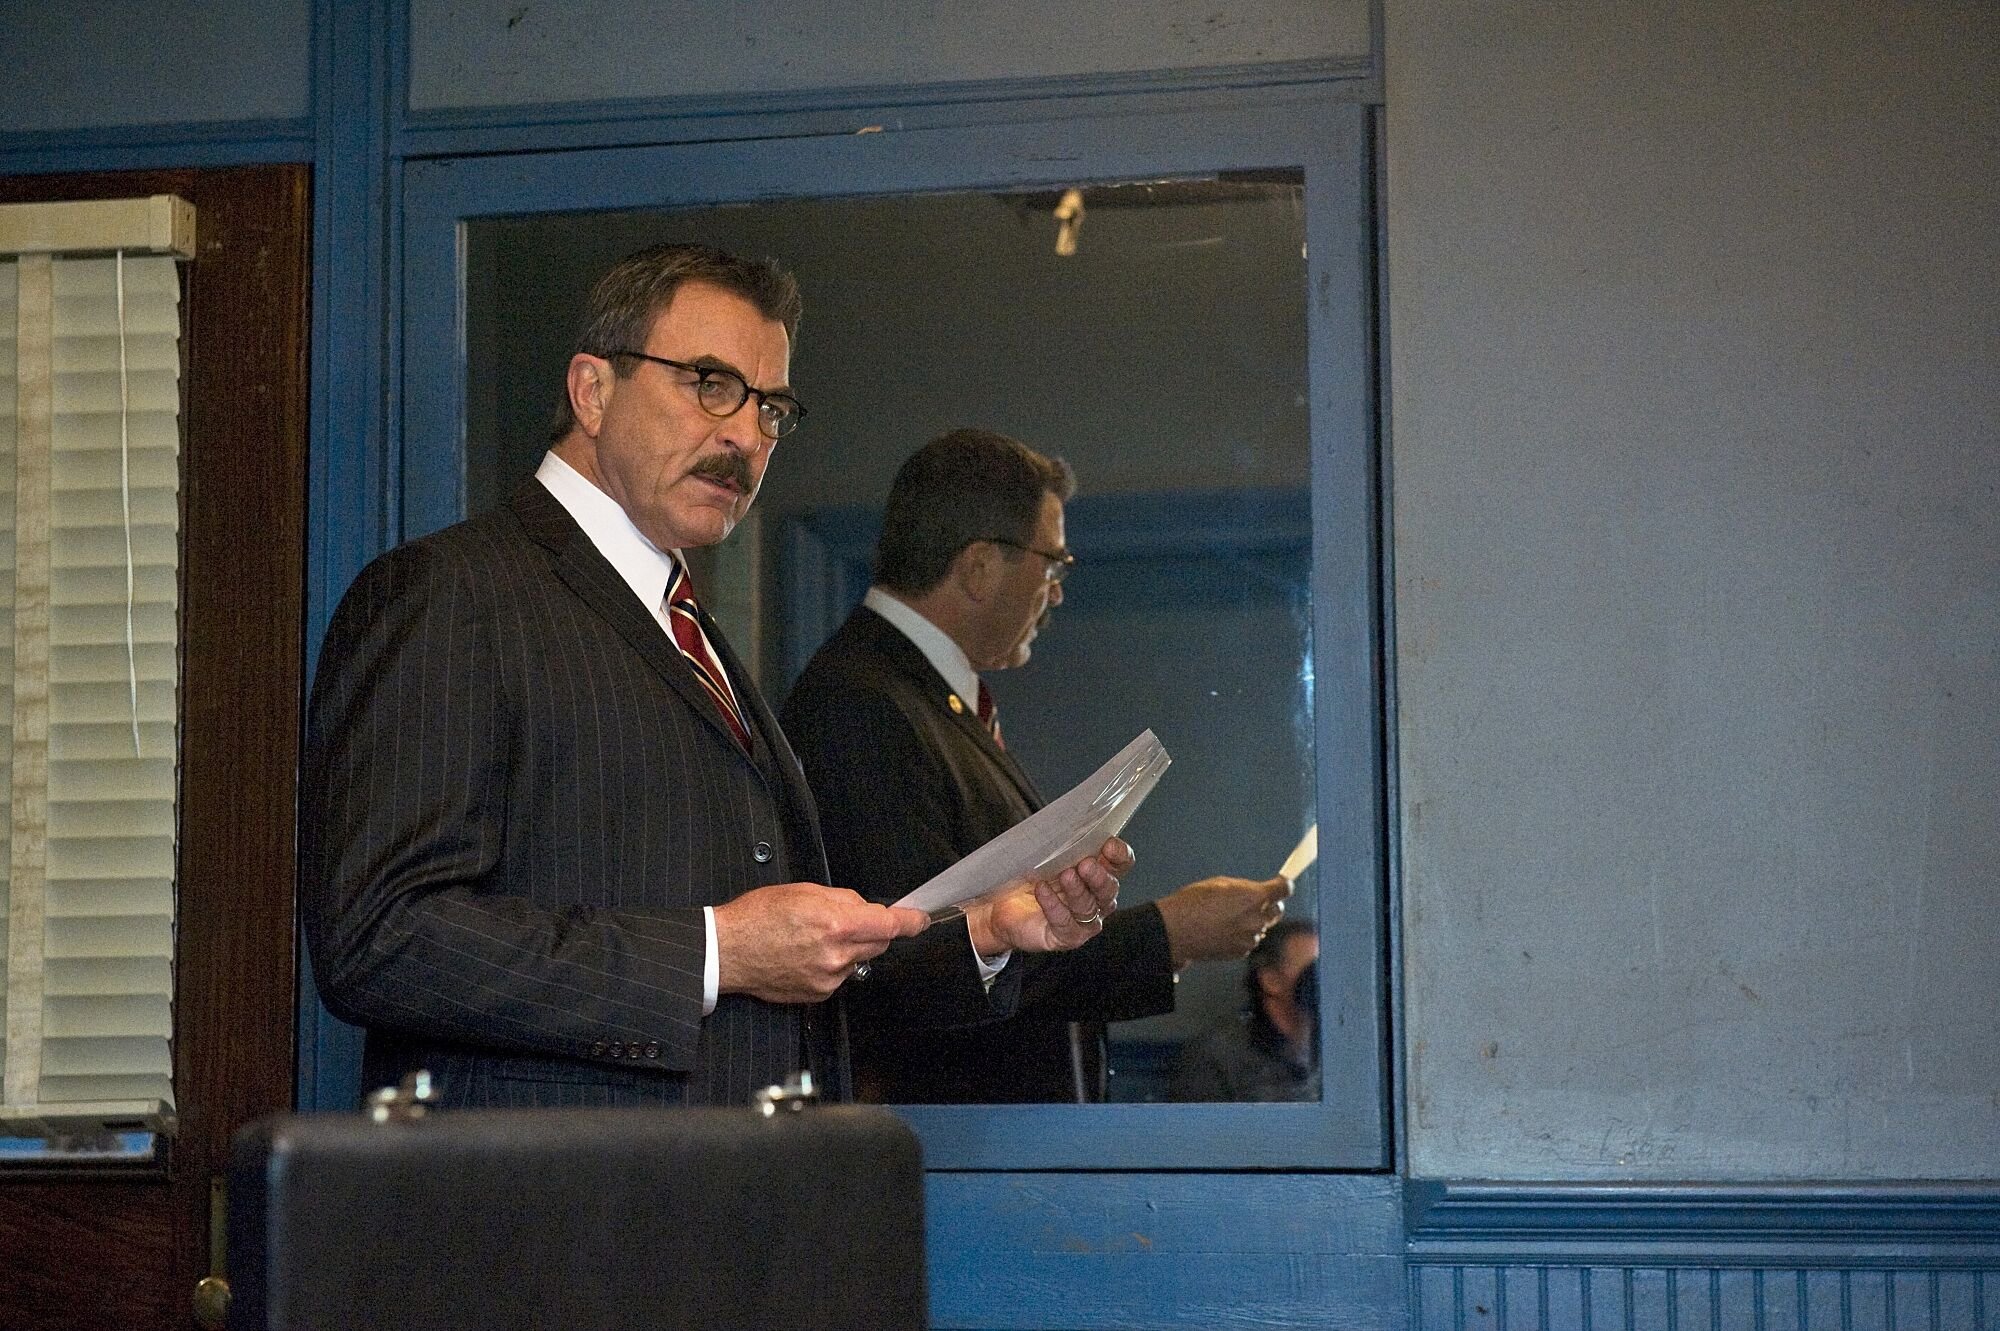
(1057, 836)
(1302, 855)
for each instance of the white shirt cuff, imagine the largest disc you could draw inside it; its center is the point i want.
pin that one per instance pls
(711, 969)
(989, 969)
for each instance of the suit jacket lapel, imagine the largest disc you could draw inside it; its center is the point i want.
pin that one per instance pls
(589, 574)
(907, 659)
(968, 720)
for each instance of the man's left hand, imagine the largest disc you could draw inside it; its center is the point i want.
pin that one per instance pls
(1052, 915)
(1218, 919)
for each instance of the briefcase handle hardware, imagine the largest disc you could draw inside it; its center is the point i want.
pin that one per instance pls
(796, 1093)
(405, 1103)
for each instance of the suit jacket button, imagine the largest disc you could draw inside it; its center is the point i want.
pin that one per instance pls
(617, 1049)
(761, 852)
(652, 1049)
(597, 1049)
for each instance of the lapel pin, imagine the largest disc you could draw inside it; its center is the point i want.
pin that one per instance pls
(956, 704)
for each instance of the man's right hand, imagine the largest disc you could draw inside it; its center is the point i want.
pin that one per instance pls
(798, 942)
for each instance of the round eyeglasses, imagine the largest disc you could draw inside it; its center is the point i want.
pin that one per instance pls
(722, 393)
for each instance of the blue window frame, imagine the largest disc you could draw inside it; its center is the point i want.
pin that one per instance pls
(1302, 130)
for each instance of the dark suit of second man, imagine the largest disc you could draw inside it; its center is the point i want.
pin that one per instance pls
(914, 784)
(910, 778)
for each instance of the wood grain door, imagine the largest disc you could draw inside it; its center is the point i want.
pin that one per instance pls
(106, 1249)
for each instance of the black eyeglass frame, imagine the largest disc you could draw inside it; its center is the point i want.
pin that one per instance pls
(705, 373)
(1060, 561)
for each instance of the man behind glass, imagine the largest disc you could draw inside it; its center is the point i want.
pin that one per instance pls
(903, 754)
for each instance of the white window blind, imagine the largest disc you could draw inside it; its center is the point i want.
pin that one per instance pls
(89, 674)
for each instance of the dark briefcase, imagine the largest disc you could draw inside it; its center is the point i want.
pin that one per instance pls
(491, 1220)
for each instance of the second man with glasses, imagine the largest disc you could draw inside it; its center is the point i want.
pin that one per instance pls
(909, 763)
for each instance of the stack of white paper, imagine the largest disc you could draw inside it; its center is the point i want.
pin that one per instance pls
(1302, 855)
(1058, 836)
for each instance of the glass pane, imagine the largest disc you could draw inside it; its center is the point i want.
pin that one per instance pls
(1164, 359)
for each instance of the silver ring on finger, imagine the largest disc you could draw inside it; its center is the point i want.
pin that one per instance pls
(1095, 917)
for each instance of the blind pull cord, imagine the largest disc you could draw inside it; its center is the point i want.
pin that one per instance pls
(125, 488)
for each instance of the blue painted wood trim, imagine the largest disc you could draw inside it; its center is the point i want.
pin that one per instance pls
(1144, 1136)
(1385, 591)
(639, 121)
(1350, 715)
(134, 148)
(1169, 1251)
(825, 564)
(1931, 1224)
(352, 503)
(353, 499)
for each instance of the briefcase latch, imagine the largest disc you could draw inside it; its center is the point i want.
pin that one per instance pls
(404, 1103)
(796, 1093)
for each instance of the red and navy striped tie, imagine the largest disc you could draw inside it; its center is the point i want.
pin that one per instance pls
(684, 623)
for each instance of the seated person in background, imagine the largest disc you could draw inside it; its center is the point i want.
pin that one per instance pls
(1272, 1051)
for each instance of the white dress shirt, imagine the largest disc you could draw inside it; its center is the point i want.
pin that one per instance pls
(646, 569)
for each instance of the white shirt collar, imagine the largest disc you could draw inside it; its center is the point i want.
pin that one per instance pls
(644, 566)
(945, 656)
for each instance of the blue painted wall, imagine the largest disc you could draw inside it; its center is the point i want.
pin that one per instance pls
(112, 66)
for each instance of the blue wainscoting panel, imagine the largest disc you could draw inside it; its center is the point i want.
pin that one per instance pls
(1048, 1251)
(1544, 1298)
(1714, 1257)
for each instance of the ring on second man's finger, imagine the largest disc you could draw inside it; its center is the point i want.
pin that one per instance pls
(861, 970)
(1095, 917)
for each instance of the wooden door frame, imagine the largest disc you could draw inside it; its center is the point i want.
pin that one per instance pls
(84, 1250)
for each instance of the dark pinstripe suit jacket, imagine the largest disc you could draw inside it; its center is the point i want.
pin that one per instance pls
(516, 800)
(908, 786)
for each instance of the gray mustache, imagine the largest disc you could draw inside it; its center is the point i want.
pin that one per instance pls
(729, 467)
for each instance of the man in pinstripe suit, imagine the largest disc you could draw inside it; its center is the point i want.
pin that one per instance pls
(554, 854)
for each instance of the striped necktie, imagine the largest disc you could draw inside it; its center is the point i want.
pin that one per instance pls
(989, 715)
(684, 623)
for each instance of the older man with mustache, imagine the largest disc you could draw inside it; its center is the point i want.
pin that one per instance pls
(555, 848)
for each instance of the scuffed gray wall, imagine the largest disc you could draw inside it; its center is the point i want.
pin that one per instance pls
(472, 53)
(1696, 320)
